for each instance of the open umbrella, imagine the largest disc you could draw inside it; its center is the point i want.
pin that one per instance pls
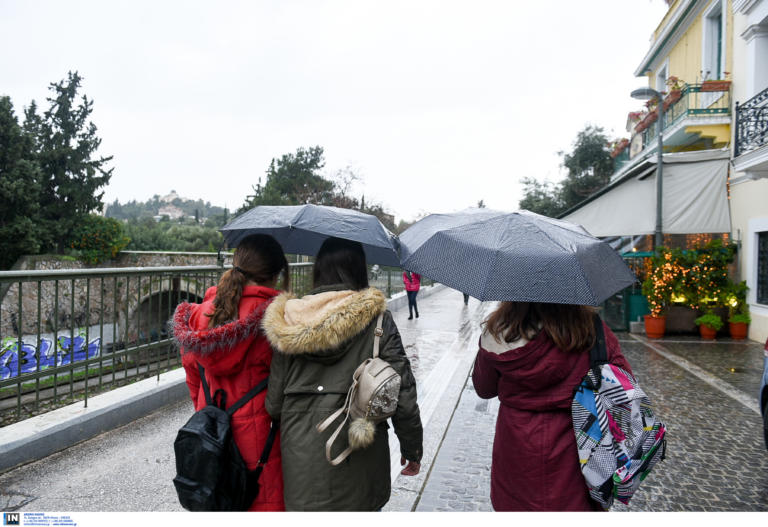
(301, 229)
(518, 256)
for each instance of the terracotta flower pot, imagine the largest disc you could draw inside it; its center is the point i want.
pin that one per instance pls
(672, 98)
(715, 85)
(738, 330)
(654, 326)
(706, 332)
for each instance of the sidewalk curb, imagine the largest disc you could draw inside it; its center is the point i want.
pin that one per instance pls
(51, 432)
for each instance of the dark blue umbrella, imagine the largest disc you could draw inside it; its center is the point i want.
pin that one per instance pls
(301, 229)
(518, 256)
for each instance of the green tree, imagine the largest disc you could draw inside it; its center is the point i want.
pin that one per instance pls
(19, 190)
(541, 197)
(294, 179)
(589, 166)
(66, 145)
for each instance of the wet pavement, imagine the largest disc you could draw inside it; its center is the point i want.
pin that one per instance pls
(705, 392)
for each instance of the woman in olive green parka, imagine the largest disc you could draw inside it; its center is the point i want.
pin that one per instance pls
(320, 341)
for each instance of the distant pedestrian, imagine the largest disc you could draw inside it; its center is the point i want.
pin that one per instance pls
(321, 339)
(466, 298)
(532, 356)
(223, 335)
(412, 283)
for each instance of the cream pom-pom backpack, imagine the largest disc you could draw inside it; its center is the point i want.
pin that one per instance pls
(371, 398)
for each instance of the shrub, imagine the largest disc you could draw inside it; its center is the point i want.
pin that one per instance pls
(98, 238)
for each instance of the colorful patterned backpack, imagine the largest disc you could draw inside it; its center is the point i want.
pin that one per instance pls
(617, 434)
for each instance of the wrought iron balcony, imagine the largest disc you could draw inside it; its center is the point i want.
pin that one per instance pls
(752, 124)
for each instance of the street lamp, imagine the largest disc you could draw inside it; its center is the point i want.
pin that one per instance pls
(644, 94)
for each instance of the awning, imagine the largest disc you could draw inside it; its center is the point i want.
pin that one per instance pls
(695, 198)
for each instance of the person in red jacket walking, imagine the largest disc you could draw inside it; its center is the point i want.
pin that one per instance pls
(223, 334)
(412, 283)
(532, 356)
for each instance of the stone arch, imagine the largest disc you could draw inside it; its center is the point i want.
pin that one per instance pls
(153, 307)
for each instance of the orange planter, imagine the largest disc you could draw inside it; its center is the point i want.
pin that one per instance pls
(654, 326)
(715, 85)
(706, 332)
(738, 330)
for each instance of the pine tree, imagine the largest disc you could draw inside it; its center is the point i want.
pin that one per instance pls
(66, 145)
(19, 190)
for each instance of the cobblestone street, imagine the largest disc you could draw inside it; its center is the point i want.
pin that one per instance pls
(716, 459)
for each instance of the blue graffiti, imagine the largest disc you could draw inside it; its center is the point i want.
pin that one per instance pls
(29, 359)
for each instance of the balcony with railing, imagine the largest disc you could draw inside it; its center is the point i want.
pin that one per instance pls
(752, 124)
(686, 117)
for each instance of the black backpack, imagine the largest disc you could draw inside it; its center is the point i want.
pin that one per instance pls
(210, 472)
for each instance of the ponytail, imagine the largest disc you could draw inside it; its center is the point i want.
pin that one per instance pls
(227, 301)
(258, 258)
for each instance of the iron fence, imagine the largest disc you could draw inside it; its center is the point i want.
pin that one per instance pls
(752, 124)
(67, 334)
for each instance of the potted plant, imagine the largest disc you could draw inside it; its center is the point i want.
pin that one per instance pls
(738, 324)
(658, 289)
(738, 311)
(675, 91)
(619, 146)
(709, 324)
(647, 121)
(717, 84)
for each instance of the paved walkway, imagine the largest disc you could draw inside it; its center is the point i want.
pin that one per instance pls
(706, 393)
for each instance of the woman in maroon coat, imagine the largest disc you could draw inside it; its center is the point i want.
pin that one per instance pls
(223, 334)
(532, 356)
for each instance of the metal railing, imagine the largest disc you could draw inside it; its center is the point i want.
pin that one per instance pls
(693, 102)
(752, 124)
(68, 334)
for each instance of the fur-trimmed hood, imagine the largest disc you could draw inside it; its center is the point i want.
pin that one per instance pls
(322, 321)
(224, 337)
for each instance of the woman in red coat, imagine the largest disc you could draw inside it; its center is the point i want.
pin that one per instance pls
(412, 282)
(532, 356)
(223, 334)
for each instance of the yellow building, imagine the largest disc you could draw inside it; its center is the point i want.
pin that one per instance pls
(687, 71)
(670, 185)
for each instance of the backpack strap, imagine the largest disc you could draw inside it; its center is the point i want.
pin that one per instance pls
(206, 389)
(331, 418)
(254, 474)
(221, 395)
(598, 355)
(377, 333)
(247, 397)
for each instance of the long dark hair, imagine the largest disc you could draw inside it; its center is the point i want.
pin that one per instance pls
(258, 258)
(340, 262)
(569, 326)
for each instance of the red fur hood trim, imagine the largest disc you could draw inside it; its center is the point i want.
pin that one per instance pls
(220, 338)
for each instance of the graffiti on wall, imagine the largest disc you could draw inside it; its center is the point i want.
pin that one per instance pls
(28, 358)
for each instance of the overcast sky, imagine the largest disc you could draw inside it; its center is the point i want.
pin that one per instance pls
(436, 104)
